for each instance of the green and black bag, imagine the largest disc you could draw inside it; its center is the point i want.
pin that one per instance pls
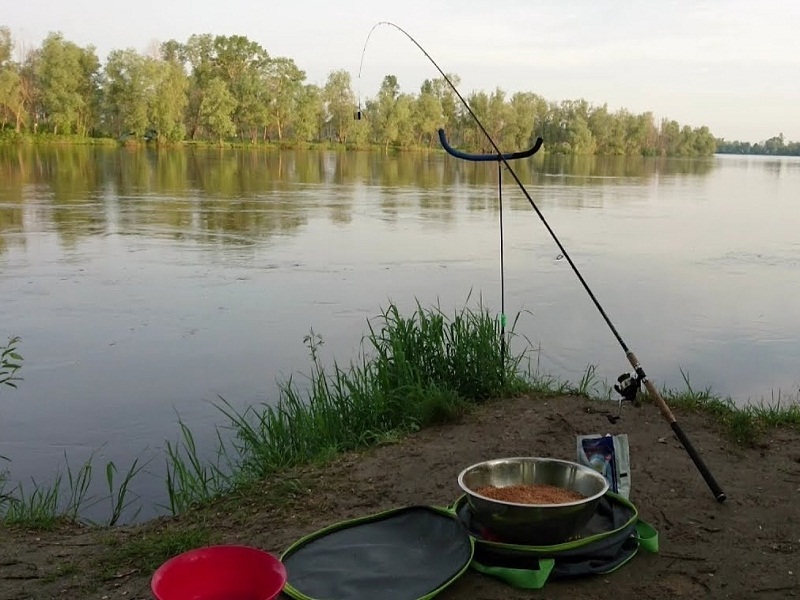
(609, 540)
(415, 552)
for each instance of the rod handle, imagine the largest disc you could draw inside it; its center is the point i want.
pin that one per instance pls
(673, 422)
(701, 466)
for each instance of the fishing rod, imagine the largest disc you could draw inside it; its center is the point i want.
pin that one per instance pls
(627, 386)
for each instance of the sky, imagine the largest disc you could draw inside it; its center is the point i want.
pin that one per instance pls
(733, 65)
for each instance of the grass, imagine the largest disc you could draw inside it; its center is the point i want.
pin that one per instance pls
(147, 550)
(412, 372)
(10, 362)
(66, 569)
(743, 425)
(45, 506)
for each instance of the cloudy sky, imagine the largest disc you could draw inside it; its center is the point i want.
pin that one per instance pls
(733, 65)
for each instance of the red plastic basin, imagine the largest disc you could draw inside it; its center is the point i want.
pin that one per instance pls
(220, 573)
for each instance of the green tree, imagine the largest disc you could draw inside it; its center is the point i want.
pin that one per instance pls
(498, 120)
(31, 113)
(774, 145)
(526, 111)
(686, 145)
(601, 124)
(404, 115)
(339, 105)
(243, 65)
(198, 53)
(284, 85)
(128, 88)
(12, 86)
(451, 106)
(555, 130)
(385, 123)
(669, 137)
(310, 113)
(579, 136)
(648, 131)
(428, 116)
(472, 136)
(67, 79)
(11, 103)
(705, 144)
(168, 100)
(6, 45)
(216, 110)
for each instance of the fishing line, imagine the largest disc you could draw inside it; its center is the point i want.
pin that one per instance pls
(502, 275)
(505, 162)
(627, 386)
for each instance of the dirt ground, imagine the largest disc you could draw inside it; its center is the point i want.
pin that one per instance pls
(747, 547)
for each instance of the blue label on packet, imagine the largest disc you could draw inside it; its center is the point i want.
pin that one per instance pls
(600, 453)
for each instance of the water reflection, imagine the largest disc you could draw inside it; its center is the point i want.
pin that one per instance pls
(245, 196)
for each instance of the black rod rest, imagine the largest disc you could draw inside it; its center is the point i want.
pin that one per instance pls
(488, 157)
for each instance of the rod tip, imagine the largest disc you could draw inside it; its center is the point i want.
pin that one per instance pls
(721, 497)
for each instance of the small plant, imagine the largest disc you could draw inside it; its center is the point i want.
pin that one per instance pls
(744, 425)
(10, 362)
(118, 495)
(43, 506)
(587, 386)
(146, 551)
(189, 480)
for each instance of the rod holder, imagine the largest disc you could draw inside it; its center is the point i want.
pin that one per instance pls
(488, 157)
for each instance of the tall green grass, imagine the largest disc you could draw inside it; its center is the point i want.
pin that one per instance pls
(43, 506)
(411, 372)
(745, 425)
(10, 362)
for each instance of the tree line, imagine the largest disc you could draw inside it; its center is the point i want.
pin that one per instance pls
(774, 146)
(230, 89)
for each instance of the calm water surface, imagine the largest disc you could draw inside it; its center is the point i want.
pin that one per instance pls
(147, 284)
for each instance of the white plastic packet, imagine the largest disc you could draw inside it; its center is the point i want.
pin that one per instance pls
(608, 455)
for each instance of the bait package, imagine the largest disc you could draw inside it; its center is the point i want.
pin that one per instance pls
(608, 455)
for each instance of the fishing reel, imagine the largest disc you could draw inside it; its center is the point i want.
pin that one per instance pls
(628, 386)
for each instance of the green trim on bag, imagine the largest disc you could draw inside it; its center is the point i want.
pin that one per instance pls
(528, 579)
(647, 536)
(294, 593)
(444, 511)
(535, 579)
(571, 544)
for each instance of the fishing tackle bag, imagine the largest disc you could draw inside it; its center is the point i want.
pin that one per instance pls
(415, 552)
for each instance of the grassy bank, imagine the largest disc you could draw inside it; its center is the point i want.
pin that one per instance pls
(743, 425)
(412, 372)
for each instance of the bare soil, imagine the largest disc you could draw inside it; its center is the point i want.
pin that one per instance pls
(747, 547)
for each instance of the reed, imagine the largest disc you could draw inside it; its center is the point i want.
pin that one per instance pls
(412, 371)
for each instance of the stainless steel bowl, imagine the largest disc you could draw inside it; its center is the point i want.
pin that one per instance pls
(533, 524)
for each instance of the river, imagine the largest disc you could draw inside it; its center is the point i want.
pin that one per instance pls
(147, 284)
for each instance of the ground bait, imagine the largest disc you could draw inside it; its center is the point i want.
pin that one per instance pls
(530, 494)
